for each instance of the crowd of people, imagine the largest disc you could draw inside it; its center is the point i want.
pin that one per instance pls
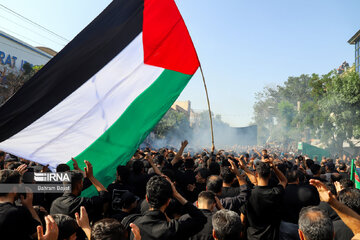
(169, 194)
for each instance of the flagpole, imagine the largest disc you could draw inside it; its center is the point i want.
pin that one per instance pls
(208, 102)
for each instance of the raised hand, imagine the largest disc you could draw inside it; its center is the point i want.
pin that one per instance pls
(88, 169)
(82, 219)
(324, 192)
(52, 230)
(136, 231)
(22, 169)
(75, 164)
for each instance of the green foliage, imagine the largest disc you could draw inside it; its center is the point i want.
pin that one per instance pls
(329, 109)
(15, 80)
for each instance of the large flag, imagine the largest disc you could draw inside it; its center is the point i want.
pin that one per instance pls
(103, 93)
(354, 175)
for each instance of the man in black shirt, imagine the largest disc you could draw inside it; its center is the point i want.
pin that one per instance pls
(262, 211)
(215, 184)
(155, 224)
(206, 203)
(70, 202)
(16, 222)
(295, 198)
(228, 179)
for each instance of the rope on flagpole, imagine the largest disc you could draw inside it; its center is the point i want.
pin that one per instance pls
(210, 116)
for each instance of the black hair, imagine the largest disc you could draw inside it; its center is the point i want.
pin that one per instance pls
(315, 168)
(189, 163)
(76, 178)
(214, 184)
(159, 159)
(214, 168)
(309, 162)
(204, 172)
(138, 166)
(208, 196)
(263, 169)
(226, 225)
(227, 175)
(342, 166)
(66, 224)
(9, 176)
(62, 167)
(346, 183)
(292, 176)
(315, 224)
(351, 198)
(108, 229)
(123, 172)
(158, 191)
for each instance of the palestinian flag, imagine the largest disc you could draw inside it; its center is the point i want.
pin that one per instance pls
(355, 175)
(104, 92)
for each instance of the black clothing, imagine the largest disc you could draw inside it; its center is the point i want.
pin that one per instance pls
(344, 175)
(69, 204)
(263, 212)
(138, 183)
(16, 222)
(342, 232)
(295, 198)
(229, 192)
(331, 212)
(154, 225)
(206, 231)
(120, 215)
(235, 203)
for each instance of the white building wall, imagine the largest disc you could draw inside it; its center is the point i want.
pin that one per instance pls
(14, 53)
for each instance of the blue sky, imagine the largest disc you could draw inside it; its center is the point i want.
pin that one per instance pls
(243, 45)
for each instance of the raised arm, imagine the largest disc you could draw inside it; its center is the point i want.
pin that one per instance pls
(348, 216)
(89, 174)
(235, 170)
(247, 171)
(280, 176)
(179, 153)
(149, 158)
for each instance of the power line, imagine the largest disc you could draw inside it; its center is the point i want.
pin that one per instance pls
(8, 30)
(34, 23)
(60, 44)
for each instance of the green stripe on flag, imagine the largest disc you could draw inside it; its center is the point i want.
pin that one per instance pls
(354, 175)
(118, 144)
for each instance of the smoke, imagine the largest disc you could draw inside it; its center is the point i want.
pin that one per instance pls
(199, 135)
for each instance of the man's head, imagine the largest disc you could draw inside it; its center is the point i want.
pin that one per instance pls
(67, 226)
(262, 170)
(201, 175)
(214, 184)
(315, 224)
(206, 200)
(351, 198)
(108, 229)
(62, 167)
(158, 192)
(342, 167)
(226, 225)
(138, 167)
(9, 177)
(76, 182)
(315, 169)
(292, 177)
(227, 175)
(346, 183)
(122, 173)
(189, 163)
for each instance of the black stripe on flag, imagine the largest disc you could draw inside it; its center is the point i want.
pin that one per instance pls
(106, 36)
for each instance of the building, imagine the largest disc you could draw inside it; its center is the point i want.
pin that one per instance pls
(356, 41)
(14, 53)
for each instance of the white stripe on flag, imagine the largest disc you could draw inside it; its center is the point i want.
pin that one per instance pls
(77, 121)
